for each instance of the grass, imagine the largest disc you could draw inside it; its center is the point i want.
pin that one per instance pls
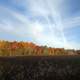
(40, 68)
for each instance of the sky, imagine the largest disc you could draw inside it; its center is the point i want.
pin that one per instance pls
(55, 23)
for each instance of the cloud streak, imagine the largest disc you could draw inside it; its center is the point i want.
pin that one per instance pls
(42, 22)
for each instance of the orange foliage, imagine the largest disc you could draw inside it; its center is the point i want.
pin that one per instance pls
(29, 48)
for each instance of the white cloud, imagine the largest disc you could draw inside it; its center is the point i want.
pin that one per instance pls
(51, 34)
(71, 22)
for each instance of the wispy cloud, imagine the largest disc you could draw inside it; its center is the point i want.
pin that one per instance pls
(42, 22)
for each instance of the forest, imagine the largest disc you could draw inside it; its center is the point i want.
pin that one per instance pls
(16, 48)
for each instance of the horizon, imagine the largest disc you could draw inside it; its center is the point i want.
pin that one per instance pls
(39, 45)
(54, 23)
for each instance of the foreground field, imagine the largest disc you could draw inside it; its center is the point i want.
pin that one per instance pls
(40, 68)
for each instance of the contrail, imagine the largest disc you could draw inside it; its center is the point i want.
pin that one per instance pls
(57, 19)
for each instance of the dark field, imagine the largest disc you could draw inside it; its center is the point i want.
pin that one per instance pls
(40, 68)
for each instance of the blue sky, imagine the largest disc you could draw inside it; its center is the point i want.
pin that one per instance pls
(54, 23)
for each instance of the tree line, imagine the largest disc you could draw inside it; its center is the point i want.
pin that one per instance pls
(15, 48)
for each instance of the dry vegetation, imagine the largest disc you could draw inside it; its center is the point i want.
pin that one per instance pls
(40, 68)
(30, 49)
